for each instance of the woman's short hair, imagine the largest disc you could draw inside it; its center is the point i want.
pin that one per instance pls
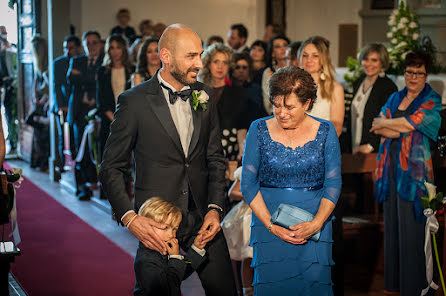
(160, 210)
(145, 24)
(205, 74)
(122, 43)
(242, 56)
(214, 39)
(418, 59)
(380, 50)
(292, 79)
(142, 62)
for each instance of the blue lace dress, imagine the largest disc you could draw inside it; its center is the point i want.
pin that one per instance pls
(300, 177)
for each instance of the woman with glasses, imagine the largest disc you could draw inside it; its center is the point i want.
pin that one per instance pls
(407, 123)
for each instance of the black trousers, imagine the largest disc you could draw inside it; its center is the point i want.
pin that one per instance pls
(85, 170)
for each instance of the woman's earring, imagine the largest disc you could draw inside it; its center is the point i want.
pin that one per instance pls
(322, 76)
(382, 73)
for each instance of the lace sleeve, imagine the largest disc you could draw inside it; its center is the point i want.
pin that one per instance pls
(333, 179)
(250, 184)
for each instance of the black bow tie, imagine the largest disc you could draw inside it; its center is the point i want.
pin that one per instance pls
(173, 96)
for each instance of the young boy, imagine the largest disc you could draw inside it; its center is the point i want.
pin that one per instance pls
(158, 274)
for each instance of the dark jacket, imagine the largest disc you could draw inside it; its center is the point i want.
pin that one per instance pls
(231, 107)
(381, 91)
(62, 89)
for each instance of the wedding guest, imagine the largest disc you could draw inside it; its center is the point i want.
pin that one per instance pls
(123, 28)
(294, 159)
(213, 39)
(230, 98)
(237, 37)
(314, 57)
(291, 53)
(158, 30)
(271, 30)
(408, 121)
(258, 56)
(276, 59)
(148, 62)
(370, 92)
(113, 77)
(40, 150)
(146, 29)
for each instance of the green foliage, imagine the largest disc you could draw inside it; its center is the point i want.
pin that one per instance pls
(354, 71)
(435, 204)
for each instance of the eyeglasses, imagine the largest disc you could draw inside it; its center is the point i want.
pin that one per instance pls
(238, 67)
(416, 74)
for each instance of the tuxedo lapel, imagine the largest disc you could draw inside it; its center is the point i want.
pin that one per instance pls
(196, 117)
(161, 109)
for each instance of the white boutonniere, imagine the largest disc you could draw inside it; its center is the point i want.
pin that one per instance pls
(200, 98)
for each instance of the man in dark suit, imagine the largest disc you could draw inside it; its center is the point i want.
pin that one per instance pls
(81, 76)
(62, 91)
(178, 155)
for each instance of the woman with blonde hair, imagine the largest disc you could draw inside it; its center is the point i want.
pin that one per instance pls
(314, 57)
(230, 98)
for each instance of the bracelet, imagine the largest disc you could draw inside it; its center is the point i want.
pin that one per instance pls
(270, 226)
(131, 220)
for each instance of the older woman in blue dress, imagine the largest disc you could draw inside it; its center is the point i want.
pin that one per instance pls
(291, 158)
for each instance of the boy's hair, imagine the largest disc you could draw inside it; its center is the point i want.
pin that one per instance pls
(159, 210)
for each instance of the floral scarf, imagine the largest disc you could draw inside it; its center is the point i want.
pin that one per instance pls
(414, 161)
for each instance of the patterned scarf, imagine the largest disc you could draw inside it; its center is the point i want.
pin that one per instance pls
(414, 161)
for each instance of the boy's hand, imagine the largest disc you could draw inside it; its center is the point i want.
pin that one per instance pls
(198, 242)
(172, 247)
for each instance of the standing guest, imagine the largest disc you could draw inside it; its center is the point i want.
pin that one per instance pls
(178, 156)
(158, 30)
(258, 56)
(370, 92)
(146, 29)
(40, 150)
(123, 28)
(113, 78)
(230, 98)
(294, 159)
(291, 53)
(408, 122)
(271, 30)
(276, 59)
(148, 62)
(62, 91)
(237, 37)
(314, 57)
(81, 76)
(8, 75)
(213, 39)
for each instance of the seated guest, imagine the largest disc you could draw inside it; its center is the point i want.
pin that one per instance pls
(158, 30)
(237, 37)
(72, 48)
(276, 59)
(112, 79)
(258, 56)
(370, 92)
(157, 274)
(291, 53)
(146, 29)
(213, 39)
(230, 99)
(314, 57)
(123, 28)
(408, 122)
(148, 61)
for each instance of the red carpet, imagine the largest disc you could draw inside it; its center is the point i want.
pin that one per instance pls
(64, 256)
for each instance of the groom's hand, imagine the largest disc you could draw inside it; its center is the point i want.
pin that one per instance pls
(211, 226)
(142, 228)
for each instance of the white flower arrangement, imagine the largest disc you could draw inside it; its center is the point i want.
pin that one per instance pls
(200, 98)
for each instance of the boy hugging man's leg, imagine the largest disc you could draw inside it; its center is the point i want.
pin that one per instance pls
(158, 274)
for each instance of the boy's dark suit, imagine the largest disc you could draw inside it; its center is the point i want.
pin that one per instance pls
(143, 124)
(158, 275)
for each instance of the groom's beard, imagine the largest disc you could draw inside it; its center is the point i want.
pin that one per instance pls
(181, 77)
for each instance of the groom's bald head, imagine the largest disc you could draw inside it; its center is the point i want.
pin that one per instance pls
(174, 35)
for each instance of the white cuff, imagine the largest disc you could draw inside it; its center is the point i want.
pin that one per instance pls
(210, 206)
(200, 252)
(130, 211)
(179, 257)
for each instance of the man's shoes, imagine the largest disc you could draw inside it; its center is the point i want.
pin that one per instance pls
(85, 195)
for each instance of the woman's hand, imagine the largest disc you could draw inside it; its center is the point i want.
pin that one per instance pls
(286, 235)
(364, 149)
(305, 230)
(379, 123)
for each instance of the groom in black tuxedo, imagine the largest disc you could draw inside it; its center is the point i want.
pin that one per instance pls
(178, 155)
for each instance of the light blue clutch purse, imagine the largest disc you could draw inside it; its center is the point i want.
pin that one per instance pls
(288, 215)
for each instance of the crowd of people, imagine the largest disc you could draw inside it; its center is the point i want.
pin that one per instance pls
(275, 112)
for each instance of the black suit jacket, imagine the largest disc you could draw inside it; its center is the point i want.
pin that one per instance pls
(231, 107)
(105, 98)
(83, 82)
(157, 275)
(62, 89)
(381, 91)
(143, 125)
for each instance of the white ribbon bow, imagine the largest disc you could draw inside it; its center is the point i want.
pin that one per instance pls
(431, 228)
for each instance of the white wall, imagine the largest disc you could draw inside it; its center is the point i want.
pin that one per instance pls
(210, 17)
(322, 17)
